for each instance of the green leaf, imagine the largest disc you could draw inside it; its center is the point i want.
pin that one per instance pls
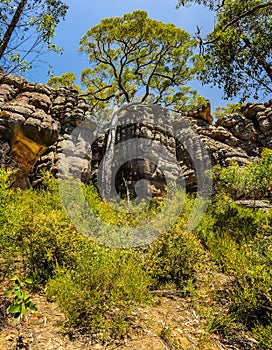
(13, 309)
(32, 306)
(15, 278)
(29, 281)
(18, 293)
(24, 295)
(18, 318)
(8, 292)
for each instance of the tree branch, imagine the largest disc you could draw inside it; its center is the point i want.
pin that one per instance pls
(97, 92)
(159, 56)
(249, 12)
(262, 61)
(11, 27)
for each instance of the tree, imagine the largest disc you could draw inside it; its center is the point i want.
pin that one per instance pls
(239, 49)
(65, 80)
(230, 108)
(211, 4)
(27, 26)
(135, 58)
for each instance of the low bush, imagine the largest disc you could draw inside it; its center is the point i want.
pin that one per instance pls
(99, 293)
(177, 256)
(35, 231)
(12, 215)
(239, 241)
(253, 181)
(98, 287)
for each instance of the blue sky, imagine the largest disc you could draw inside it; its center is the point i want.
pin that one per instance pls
(84, 14)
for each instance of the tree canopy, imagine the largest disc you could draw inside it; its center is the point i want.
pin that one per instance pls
(135, 58)
(65, 80)
(26, 28)
(239, 49)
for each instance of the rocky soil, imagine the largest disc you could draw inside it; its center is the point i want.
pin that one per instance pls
(172, 323)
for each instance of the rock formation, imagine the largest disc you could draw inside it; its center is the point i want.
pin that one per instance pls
(37, 124)
(34, 120)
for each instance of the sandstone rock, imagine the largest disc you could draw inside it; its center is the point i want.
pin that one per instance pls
(218, 133)
(39, 100)
(37, 124)
(26, 124)
(19, 107)
(228, 120)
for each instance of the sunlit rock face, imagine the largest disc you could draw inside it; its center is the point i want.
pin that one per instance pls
(38, 131)
(34, 118)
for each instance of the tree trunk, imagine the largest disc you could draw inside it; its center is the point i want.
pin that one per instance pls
(11, 27)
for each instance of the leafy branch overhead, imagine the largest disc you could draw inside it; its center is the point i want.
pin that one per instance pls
(239, 49)
(27, 27)
(139, 59)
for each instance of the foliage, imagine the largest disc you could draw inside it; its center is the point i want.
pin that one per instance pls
(99, 293)
(65, 80)
(102, 283)
(238, 50)
(9, 223)
(229, 109)
(22, 302)
(175, 258)
(49, 240)
(247, 258)
(253, 181)
(135, 58)
(27, 27)
(35, 229)
(212, 4)
(98, 287)
(263, 335)
(239, 241)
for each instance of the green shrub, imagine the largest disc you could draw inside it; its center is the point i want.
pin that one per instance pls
(251, 298)
(12, 215)
(253, 181)
(98, 294)
(175, 258)
(49, 240)
(263, 335)
(35, 231)
(232, 220)
(239, 241)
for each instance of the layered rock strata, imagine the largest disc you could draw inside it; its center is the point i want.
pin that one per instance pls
(37, 123)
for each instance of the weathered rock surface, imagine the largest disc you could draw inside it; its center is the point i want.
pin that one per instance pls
(37, 123)
(34, 119)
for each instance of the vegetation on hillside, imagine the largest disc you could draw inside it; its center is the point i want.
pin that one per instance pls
(135, 58)
(98, 287)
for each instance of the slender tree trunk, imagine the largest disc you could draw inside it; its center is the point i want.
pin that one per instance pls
(12, 26)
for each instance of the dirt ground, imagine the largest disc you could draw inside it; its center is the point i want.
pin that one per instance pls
(170, 324)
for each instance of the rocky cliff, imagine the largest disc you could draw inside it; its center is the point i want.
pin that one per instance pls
(37, 124)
